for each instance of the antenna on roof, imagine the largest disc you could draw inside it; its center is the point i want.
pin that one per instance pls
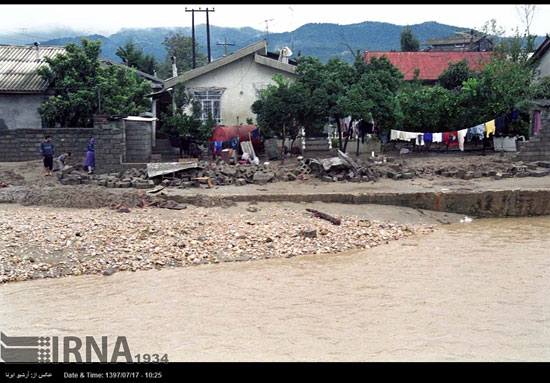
(267, 29)
(37, 44)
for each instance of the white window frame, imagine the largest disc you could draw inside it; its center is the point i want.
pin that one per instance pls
(208, 98)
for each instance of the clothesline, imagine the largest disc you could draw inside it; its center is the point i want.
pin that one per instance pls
(457, 138)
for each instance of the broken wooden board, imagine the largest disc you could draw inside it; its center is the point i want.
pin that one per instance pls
(247, 147)
(162, 168)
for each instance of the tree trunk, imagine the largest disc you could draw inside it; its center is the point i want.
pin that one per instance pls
(292, 144)
(357, 153)
(283, 146)
(347, 135)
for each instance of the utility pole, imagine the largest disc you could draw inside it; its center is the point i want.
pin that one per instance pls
(208, 33)
(207, 30)
(192, 33)
(225, 44)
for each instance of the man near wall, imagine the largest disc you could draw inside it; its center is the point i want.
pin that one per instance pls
(47, 152)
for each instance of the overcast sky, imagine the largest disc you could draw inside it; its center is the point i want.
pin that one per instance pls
(108, 19)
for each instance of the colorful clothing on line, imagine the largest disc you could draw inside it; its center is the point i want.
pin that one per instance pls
(461, 134)
(428, 137)
(490, 128)
(500, 125)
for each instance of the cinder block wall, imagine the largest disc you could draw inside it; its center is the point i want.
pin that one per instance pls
(109, 144)
(24, 144)
(112, 146)
(138, 141)
(538, 146)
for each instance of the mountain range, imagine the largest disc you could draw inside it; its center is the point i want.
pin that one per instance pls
(323, 40)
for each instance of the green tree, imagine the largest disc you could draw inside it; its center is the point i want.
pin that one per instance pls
(541, 88)
(178, 122)
(455, 75)
(409, 43)
(181, 47)
(82, 88)
(278, 109)
(133, 56)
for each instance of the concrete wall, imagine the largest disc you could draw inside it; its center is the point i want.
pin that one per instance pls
(24, 144)
(241, 80)
(20, 111)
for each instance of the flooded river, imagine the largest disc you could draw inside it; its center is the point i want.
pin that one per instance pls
(476, 291)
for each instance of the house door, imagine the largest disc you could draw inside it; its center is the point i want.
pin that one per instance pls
(536, 121)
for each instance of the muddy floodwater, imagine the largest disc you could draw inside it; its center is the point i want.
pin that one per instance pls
(476, 291)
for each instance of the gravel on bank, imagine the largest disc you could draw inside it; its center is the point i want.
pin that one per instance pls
(43, 242)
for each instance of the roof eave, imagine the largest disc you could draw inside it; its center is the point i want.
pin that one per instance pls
(260, 46)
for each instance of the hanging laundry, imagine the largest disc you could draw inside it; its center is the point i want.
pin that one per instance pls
(490, 128)
(479, 131)
(419, 139)
(470, 134)
(500, 125)
(218, 146)
(461, 134)
(428, 137)
(255, 133)
(437, 137)
(394, 134)
(446, 138)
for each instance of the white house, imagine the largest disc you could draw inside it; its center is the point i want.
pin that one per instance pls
(541, 59)
(227, 87)
(22, 90)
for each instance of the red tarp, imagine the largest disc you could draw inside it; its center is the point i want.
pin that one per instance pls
(226, 133)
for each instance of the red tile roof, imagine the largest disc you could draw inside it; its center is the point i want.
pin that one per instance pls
(431, 64)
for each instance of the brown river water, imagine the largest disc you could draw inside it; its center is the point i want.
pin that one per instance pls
(474, 291)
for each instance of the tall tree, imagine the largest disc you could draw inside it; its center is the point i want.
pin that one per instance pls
(133, 56)
(278, 109)
(82, 88)
(409, 43)
(181, 47)
(455, 75)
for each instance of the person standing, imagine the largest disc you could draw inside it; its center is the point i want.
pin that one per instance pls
(89, 162)
(47, 152)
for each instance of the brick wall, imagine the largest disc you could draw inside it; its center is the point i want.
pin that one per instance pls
(538, 146)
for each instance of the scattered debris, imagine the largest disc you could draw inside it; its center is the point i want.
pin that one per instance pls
(316, 213)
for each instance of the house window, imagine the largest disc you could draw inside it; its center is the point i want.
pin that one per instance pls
(210, 103)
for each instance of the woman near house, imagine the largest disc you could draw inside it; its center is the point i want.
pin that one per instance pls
(89, 162)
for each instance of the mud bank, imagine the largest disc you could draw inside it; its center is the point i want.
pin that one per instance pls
(483, 202)
(486, 204)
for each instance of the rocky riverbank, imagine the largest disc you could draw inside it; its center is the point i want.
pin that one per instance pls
(52, 243)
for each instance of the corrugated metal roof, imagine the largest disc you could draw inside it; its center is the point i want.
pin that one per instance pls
(18, 65)
(430, 64)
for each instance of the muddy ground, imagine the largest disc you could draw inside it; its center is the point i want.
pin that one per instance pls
(29, 186)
